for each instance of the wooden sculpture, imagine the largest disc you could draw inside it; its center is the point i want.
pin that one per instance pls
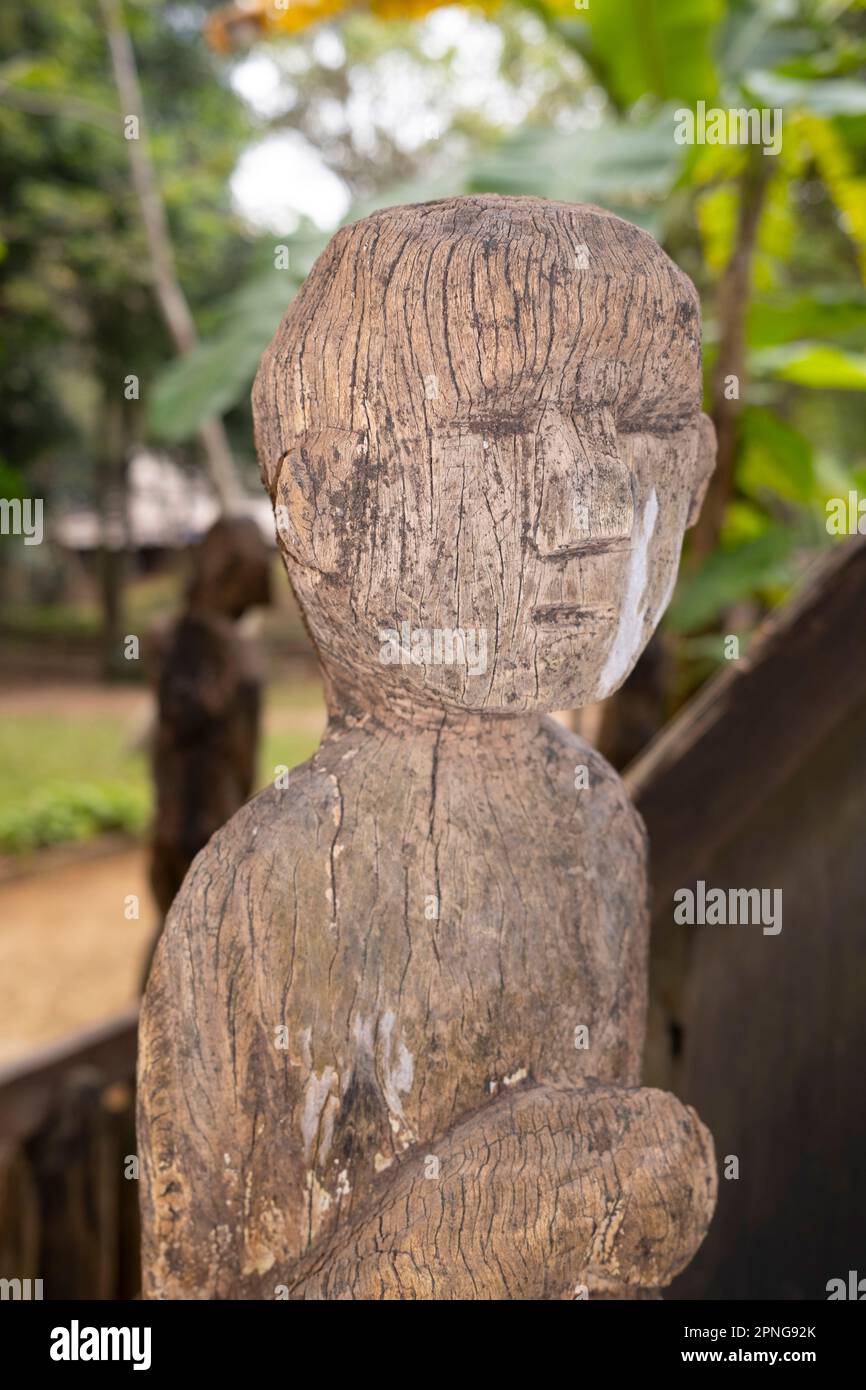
(391, 1044)
(208, 681)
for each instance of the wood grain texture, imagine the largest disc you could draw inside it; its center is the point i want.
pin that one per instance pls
(391, 1042)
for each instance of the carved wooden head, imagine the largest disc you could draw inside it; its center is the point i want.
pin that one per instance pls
(231, 569)
(483, 417)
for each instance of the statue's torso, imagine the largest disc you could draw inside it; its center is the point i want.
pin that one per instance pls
(356, 960)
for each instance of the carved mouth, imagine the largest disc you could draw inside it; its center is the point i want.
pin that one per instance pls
(573, 615)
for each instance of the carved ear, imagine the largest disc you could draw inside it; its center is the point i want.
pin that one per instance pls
(319, 497)
(704, 465)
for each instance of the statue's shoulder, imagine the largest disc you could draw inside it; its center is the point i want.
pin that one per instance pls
(253, 877)
(585, 782)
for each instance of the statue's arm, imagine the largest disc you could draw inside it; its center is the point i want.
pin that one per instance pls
(539, 1192)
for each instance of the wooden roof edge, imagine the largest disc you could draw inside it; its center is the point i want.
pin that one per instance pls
(754, 723)
(711, 704)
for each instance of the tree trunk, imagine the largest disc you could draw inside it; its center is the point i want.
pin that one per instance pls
(112, 556)
(169, 292)
(728, 380)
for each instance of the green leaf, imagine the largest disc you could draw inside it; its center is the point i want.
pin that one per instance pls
(214, 377)
(744, 521)
(626, 167)
(818, 314)
(837, 97)
(729, 575)
(11, 481)
(818, 365)
(775, 459)
(752, 35)
(655, 47)
(716, 212)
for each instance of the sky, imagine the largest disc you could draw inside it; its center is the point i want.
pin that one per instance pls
(283, 175)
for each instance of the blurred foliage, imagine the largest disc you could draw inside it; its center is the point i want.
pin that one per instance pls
(583, 108)
(75, 289)
(662, 49)
(62, 781)
(67, 780)
(61, 813)
(252, 19)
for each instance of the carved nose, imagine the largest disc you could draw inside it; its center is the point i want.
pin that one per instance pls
(585, 499)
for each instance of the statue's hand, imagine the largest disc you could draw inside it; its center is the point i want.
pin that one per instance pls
(539, 1194)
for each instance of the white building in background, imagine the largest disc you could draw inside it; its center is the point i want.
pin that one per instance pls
(167, 508)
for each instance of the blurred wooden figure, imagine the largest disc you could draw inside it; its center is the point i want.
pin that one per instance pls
(209, 681)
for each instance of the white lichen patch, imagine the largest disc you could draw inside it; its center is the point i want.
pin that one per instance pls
(320, 1202)
(362, 1035)
(397, 1073)
(628, 639)
(317, 1117)
(520, 1074)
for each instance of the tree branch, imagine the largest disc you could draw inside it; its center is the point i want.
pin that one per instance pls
(732, 302)
(169, 292)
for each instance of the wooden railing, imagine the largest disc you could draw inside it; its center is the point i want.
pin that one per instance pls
(68, 1190)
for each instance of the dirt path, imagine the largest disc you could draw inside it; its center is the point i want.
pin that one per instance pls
(68, 956)
(136, 703)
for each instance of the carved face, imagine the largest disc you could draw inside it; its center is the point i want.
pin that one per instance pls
(484, 508)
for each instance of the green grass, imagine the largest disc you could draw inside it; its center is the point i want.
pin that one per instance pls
(284, 750)
(51, 620)
(145, 599)
(67, 777)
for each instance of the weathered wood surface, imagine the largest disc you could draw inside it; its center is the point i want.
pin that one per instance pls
(534, 1186)
(762, 782)
(363, 1069)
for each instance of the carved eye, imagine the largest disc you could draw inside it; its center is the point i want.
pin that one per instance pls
(584, 487)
